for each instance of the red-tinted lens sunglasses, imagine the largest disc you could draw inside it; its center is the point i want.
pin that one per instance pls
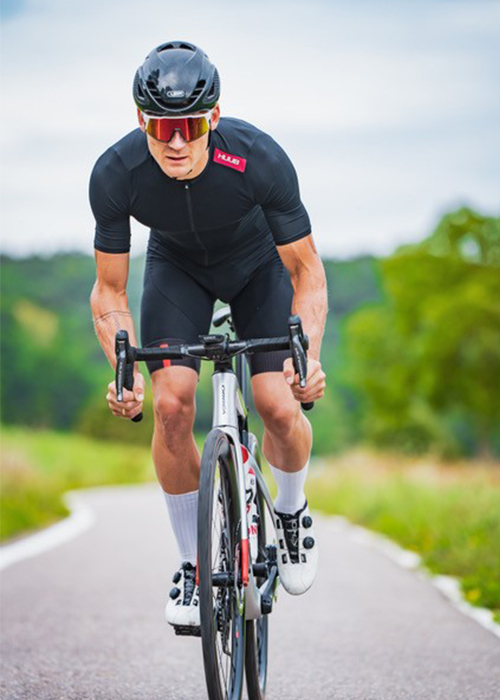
(191, 127)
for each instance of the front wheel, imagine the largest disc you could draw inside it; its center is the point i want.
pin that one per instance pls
(222, 603)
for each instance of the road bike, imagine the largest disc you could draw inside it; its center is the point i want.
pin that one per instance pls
(237, 568)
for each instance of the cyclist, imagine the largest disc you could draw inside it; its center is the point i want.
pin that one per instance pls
(222, 201)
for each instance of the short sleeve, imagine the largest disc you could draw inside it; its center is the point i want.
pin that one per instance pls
(109, 199)
(277, 191)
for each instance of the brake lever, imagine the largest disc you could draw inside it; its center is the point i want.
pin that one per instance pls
(121, 342)
(299, 343)
(124, 375)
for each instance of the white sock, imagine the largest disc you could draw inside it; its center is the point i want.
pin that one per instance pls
(183, 512)
(291, 496)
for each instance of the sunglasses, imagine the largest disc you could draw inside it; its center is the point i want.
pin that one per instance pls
(191, 127)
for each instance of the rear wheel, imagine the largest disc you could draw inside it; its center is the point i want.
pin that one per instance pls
(222, 606)
(257, 631)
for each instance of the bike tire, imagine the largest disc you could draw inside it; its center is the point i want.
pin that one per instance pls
(257, 631)
(222, 609)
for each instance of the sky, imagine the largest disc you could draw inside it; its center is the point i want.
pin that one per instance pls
(389, 109)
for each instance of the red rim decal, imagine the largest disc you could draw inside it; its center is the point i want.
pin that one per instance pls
(244, 562)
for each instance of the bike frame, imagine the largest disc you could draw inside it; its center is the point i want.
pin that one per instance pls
(230, 417)
(228, 407)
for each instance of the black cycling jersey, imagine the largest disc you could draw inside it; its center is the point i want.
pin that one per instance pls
(212, 237)
(244, 203)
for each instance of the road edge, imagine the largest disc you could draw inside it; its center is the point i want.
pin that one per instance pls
(80, 519)
(448, 586)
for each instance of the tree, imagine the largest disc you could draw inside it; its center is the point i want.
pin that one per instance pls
(428, 359)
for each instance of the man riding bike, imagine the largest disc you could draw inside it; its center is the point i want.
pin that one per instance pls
(222, 201)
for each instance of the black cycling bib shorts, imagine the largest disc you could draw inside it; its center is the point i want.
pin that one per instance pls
(212, 237)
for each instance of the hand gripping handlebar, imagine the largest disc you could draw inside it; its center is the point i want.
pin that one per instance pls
(211, 347)
(299, 343)
(125, 359)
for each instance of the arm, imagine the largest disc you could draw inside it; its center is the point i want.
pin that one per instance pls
(309, 289)
(109, 301)
(310, 302)
(110, 312)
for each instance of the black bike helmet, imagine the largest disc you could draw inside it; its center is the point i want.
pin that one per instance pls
(176, 78)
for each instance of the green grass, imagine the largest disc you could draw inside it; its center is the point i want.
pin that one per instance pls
(449, 515)
(38, 467)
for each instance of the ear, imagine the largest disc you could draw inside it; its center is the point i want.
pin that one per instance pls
(215, 117)
(142, 125)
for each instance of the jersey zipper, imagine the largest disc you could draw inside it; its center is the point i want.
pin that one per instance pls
(191, 221)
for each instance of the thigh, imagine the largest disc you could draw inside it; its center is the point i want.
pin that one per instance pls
(261, 310)
(175, 308)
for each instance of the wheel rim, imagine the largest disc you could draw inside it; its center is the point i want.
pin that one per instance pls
(227, 608)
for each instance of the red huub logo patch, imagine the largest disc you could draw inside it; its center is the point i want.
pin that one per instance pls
(231, 161)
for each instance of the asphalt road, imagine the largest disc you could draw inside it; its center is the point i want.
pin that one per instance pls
(85, 621)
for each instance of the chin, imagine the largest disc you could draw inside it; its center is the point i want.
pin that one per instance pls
(176, 172)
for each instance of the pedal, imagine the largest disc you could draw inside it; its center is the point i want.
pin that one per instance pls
(187, 630)
(269, 590)
(271, 554)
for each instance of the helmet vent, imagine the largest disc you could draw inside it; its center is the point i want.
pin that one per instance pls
(166, 47)
(215, 88)
(198, 89)
(153, 90)
(138, 90)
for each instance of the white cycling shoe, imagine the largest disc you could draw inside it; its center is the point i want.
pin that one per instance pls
(297, 550)
(183, 606)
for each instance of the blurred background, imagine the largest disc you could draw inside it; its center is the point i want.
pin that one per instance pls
(390, 113)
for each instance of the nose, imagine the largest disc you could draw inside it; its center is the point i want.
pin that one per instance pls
(177, 141)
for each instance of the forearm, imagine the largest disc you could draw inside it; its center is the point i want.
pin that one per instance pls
(110, 314)
(310, 302)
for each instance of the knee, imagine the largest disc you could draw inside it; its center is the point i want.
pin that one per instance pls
(279, 417)
(174, 412)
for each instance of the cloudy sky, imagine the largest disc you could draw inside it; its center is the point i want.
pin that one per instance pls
(390, 109)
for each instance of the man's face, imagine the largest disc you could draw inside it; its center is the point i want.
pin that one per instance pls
(178, 158)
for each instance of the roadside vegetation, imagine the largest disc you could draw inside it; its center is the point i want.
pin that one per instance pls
(449, 513)
(38, 467)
